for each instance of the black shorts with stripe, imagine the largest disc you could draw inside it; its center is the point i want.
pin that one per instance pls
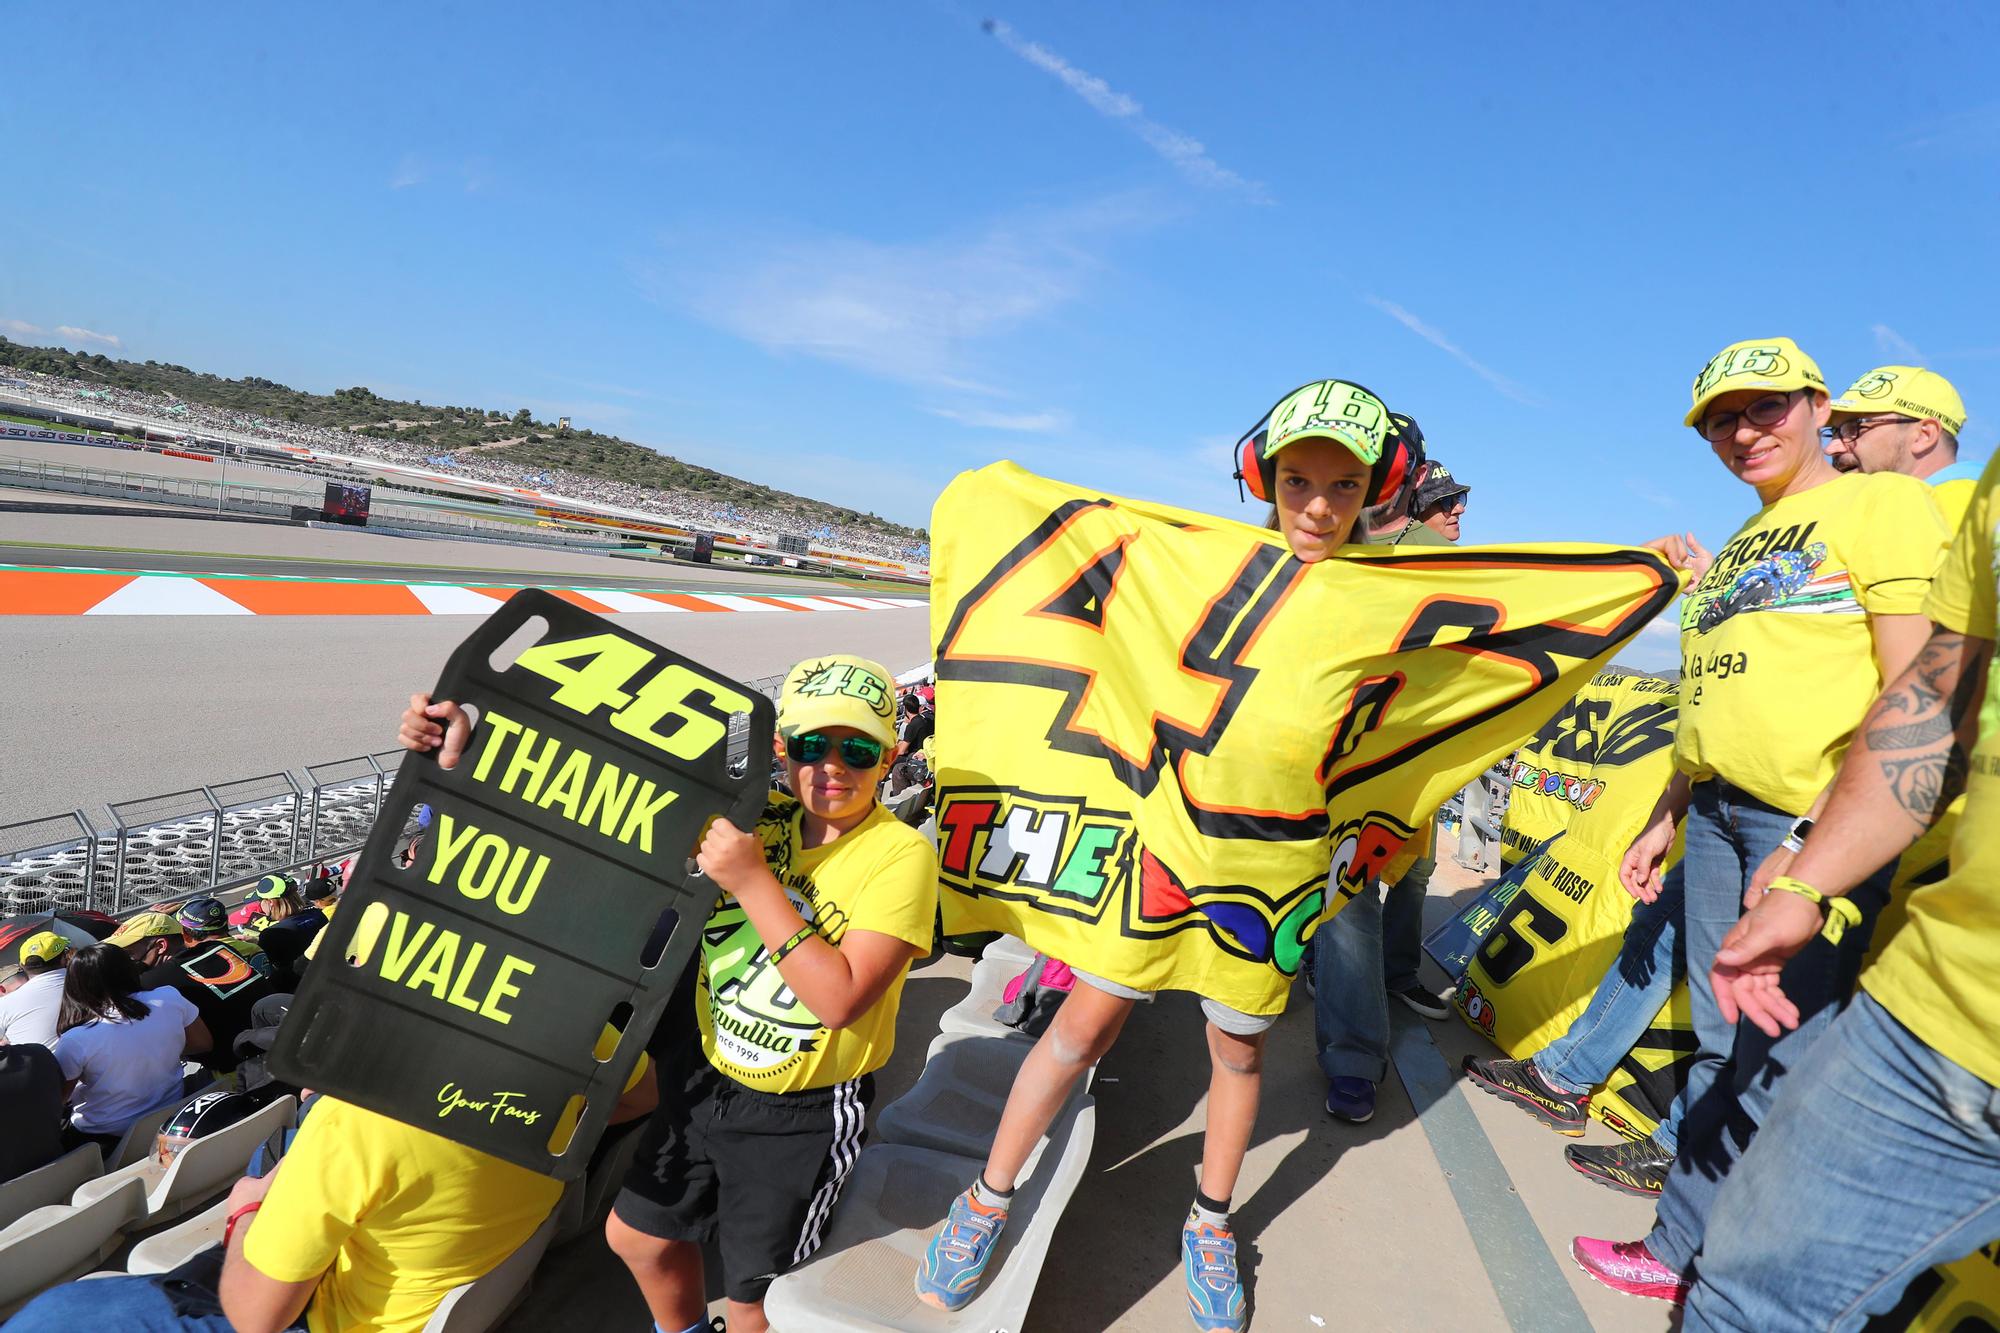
(756, 1172)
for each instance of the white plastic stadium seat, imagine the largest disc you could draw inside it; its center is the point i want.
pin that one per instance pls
(864, 1276)
(138, 1140)
(205, 1168)
(1008, 949)
(166, 1250)
(63, 1242)
(973, 1015)
(481, 1304)
(49, 1184)
(955, 1104)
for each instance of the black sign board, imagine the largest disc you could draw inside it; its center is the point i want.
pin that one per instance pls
(467, 993)
(343, 503)
(704, 548)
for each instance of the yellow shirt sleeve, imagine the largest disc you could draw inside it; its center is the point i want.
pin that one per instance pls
(1892, 568)
(1962, 596)
(900, 897)
(319, 1197)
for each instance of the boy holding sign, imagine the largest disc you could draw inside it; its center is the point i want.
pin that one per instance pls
(825, 905)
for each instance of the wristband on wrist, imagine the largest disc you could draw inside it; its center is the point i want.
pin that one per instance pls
(229, 1227)
(1840, 912)
(778, 955)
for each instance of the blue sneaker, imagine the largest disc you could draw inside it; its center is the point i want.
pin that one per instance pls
(1208, 1265)
(956, 1258)
(1350, 1099)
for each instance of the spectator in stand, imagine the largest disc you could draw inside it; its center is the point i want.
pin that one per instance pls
(274, 898)
(209, 974)
(1905, 419)
(208, 919)
(366, 1223)
(31, 1109)
(919, 722)
(120, 1046)
(1440, 501)
(1812, 605)
(31, 997)
(1886, 1135)
(285, 942)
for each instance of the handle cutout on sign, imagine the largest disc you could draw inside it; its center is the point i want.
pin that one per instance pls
(656, 943)
(367, 932)
(566, 1124)
(529, 633)
(614, 1032)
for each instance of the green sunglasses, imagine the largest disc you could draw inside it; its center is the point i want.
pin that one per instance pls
(857, 752)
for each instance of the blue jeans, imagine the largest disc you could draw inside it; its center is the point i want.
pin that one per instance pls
(1738, 1070)
(1882, 1160)
(1371, 946)
(181, 1301)
(1625, 1002)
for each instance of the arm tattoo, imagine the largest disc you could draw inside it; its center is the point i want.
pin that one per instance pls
(1913, 728)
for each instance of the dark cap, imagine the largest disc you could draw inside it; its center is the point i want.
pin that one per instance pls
(322, 890)
(204, 916)
(1439, 485)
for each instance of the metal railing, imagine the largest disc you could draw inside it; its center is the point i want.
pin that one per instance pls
(176, 845)
(208, 839)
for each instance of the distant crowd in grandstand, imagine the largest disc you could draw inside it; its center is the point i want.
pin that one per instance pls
(686, 507)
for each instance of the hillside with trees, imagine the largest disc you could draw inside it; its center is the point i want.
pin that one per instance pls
(498, 436)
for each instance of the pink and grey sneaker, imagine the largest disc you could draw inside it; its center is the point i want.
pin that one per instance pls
(1628, 1266)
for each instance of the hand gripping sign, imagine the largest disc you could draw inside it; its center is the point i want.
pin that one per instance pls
(467, 993)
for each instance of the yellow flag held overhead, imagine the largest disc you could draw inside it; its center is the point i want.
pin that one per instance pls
(1157, 729)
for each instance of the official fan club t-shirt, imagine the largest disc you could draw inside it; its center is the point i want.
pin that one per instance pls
(1777, 659)
(125, 1067)
(1940, 974)
(880, 875)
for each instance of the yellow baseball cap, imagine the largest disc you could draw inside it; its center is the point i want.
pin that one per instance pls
(1759, 363)
(43, 947)
(839, 691)
(1904, 391)
(145, 926)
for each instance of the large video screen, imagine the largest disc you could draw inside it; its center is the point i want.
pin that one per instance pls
(345, 504)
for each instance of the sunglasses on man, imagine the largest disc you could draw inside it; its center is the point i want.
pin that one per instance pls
(857, 752)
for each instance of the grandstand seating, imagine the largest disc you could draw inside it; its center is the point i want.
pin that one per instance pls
(202, 1170)
(166, 1250)
(930, 1143)
(137, 1143)
(51, 1184)
(480, 1305)
(65, 1241)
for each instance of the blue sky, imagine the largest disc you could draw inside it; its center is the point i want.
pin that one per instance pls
(854, 249)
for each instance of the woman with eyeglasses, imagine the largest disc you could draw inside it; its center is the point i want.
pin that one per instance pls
(1811, 606)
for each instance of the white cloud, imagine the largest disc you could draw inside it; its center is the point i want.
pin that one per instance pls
(474, 174)
(1436, 338)
(904, 311)
(1891, 343)
(979, 418)
(410, 171)
(1187, 154)
(63, 333)
(88, 336)
(1971, 130)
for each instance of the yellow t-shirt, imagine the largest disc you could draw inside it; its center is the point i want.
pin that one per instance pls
(880, 875)
(1953, 498)
(392, 1216)
(1940, 974)
(1777, 660)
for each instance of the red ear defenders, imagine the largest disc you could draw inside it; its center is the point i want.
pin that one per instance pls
(1402, 457)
